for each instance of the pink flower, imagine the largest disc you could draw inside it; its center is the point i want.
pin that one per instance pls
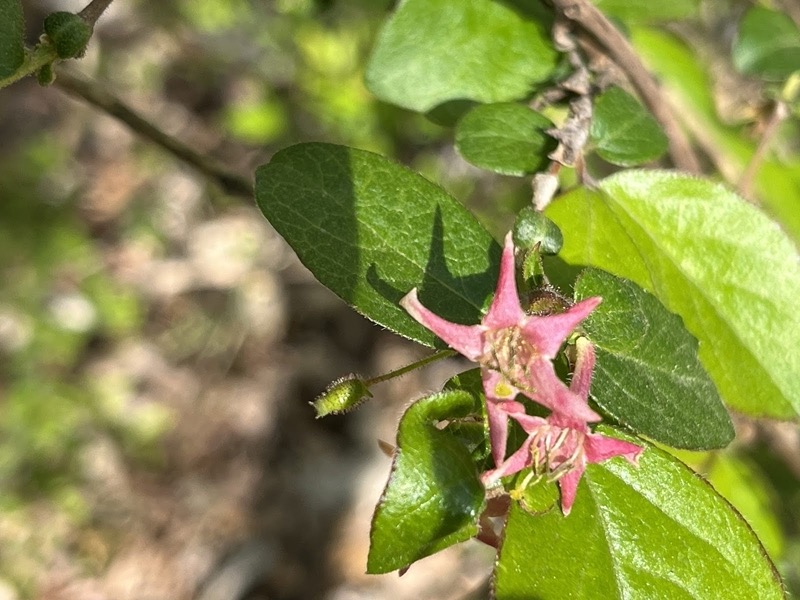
(515, 351)
(558, 448)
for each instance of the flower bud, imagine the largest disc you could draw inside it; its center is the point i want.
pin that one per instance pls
(68, 32)
(341, 396)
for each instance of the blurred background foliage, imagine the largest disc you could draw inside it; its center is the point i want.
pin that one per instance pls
(158, 341)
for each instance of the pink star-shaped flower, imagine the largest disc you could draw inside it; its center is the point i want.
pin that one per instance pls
(515, 351)
(558, 447)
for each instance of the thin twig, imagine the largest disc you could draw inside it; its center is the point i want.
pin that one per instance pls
(594, 22)
(93, 10)
(779, 113)
(230, 182)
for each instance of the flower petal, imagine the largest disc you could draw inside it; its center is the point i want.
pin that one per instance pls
(506, 309)
(465, 339)
(549, 332)
(500, 404)
(552, 393)
(569, 487)
(521, 459)
(600, 447)
(584, 367)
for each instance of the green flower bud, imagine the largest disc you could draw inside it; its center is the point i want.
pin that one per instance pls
(341, 396)
(532, 227)
(46, 76)
(68, 32)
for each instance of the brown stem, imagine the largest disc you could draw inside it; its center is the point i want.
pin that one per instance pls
(230, 182)
(594, 22)
(779, 113)
(93, 10)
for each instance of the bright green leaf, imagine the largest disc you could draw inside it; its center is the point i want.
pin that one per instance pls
(652, 531)
(636, 11)
(371, 230)
(648, 376)
(505, 138)
(744, 487)
(768, 45)
(710, 257)
(623, 131)
(433, 51)
(12, 37)
(434, 496)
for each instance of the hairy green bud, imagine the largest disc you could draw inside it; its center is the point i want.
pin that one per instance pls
(68, 32)
(341, 396)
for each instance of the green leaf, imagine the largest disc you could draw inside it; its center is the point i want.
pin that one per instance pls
(371, 230)
(748, 490)
(768, 45)
(623, 132)
(505, 138)
(648, 376)
(12, 37)
(656, 531)
(710, 257)
(636, 11)
(433, 51)
(434, 496)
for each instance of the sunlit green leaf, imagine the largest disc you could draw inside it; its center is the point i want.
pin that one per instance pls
(710, 257)
(652, 531)
(434, 497)
(636, 11)
(768, 45)
(623, 132)
(371, 230)
(433, 51)
(506, 138)
(648, 376)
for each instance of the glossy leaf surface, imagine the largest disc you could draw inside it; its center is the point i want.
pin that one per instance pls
(434, 497)
(371, 230)
(656, 531)
(648, 376)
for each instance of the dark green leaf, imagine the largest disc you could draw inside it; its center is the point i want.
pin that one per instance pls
(710, 257)
(370, 230)
(656, 531)
(434, 496)
(768, 45)
(623, 131)
(12, 37)
(434, 51)
(648, 376)
(505, 138)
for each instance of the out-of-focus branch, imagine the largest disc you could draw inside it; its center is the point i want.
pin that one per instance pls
(232, 183)
(777, 116)
(595, 23)
(93, 10)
